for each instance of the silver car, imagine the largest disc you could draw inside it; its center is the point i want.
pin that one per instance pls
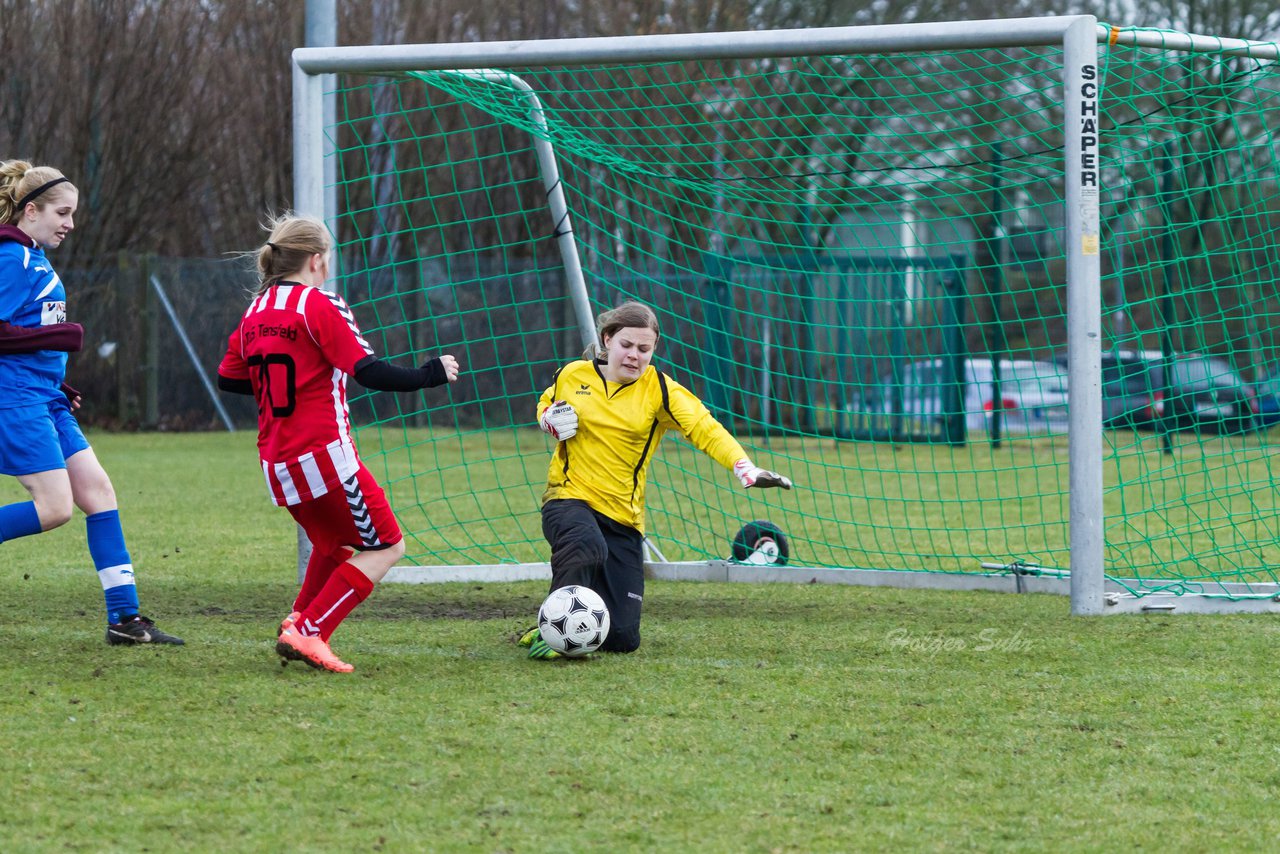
(1027, 397)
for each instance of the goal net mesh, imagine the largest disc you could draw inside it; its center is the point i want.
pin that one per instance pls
(858, 264)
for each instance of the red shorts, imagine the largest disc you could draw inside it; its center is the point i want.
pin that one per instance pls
(356, 516)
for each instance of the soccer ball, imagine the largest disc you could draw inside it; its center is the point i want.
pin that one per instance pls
(574, 620)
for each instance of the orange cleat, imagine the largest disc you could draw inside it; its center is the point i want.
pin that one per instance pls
(294, 646)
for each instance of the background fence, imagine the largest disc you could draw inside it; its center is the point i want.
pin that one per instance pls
(135, 371)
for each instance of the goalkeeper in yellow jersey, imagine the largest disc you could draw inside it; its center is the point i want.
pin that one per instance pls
(608, 413)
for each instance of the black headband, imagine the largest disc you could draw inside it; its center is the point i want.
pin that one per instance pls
(38, 191)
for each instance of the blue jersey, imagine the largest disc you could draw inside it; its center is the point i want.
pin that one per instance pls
(31, 295)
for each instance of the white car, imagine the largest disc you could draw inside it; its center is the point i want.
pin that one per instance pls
(1028, 397)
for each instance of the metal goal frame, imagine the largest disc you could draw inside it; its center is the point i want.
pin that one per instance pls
(1078, 36)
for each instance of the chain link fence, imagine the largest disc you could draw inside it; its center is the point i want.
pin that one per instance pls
(156, 329)
(148, 365)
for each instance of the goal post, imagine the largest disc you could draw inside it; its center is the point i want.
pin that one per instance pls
(791, 202)
(1081, 171)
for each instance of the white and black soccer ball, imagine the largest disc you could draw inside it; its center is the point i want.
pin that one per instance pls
(574, 620)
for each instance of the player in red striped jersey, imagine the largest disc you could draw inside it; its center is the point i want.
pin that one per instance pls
(293, 351)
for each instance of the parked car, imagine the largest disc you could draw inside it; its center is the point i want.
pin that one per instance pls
(1032, 394)
(1267, 396)
(1202, 392)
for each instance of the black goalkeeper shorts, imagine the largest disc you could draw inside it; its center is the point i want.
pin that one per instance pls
(592, 550)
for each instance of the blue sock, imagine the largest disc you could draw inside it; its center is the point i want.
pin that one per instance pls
(111, 558)
(18, 520)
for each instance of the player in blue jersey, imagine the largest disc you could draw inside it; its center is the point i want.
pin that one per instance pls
(40, 441)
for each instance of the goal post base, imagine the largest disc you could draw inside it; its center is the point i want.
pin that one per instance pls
(1119, 597)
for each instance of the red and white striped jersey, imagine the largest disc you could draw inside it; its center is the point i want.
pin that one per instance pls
(296, 344)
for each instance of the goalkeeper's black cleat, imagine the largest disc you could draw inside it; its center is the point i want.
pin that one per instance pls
(139, 629)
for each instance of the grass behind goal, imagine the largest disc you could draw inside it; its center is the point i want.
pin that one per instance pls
(793, 718)
(925, 507)
(811, 231)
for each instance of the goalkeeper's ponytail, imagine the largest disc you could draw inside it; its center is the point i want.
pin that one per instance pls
(628, 315)
(294, 239)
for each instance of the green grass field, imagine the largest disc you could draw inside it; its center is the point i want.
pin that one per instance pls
(754, 718)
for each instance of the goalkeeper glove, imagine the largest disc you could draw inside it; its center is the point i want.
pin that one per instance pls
(752, 475)
(560, 420)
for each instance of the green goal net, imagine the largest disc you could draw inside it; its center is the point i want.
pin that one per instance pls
(859, 263)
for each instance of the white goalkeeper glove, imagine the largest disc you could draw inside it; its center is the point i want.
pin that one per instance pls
(560, 420)
(752, 475)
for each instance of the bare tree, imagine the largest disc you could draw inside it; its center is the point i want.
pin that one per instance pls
(172, 118)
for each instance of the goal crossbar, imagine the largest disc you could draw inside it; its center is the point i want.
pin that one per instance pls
(1013, 32)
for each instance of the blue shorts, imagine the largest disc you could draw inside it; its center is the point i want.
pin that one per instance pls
(38, 438)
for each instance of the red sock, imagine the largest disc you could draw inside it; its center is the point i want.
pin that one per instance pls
(346, 588)
(319, 567)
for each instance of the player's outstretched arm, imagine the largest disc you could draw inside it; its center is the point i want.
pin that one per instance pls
(689, 415)
(373, 373)
(63, 337)
(751, 475)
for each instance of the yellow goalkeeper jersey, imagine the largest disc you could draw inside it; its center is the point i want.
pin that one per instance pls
(619, 427)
